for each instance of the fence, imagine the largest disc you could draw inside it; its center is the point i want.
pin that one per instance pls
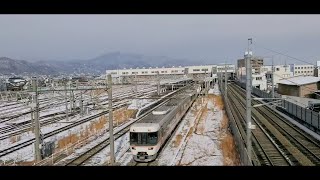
(240, 144)
(304, 116)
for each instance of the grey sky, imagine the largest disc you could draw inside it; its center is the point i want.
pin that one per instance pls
(214, 38)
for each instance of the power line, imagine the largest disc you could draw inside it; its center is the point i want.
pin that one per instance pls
(277, 52)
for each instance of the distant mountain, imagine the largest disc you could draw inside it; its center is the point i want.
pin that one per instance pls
(98, 65)
(8, 66)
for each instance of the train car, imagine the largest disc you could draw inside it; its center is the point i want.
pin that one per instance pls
(149, 134)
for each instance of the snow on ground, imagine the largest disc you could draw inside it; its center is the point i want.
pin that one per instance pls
(121, 147)
(25, 153)
(203, 148)
(198, 139)
(103, 157)
(138, 103)
(169, 154)
(215, 90)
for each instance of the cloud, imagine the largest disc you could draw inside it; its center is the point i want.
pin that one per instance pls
(211, 37)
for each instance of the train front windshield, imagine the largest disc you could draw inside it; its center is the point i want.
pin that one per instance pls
(143, 139)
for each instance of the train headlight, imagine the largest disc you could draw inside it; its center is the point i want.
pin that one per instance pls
(150, 148)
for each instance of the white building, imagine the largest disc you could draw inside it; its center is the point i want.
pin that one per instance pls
(317, 70)
(258, 76)
(259, 80)
(280, 72)
(205, 69)
(197, 72)
(302, 70)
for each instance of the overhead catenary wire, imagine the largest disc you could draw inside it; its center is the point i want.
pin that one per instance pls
(280, 53)
(277, 52)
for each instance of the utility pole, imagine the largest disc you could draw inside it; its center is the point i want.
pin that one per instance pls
(109, 89)
(66, 99)
(73, 103)
(248, 98)
(221, 79)
(37, 146)
(158, 87)
(81, 101)
(272, 79)
(136, 91)
(225, 80)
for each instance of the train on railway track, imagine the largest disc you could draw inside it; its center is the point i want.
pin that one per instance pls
(151, 133)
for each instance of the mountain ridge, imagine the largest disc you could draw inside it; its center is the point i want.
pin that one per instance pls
(96, 65)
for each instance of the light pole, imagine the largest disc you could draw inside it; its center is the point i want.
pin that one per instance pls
(248, 98)
(272, 92)
(109, 89)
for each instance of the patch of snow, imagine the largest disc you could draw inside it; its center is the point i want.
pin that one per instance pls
(196, 149)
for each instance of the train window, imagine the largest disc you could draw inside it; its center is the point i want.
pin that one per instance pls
(133, 138)
(144, 138)
(152, 138)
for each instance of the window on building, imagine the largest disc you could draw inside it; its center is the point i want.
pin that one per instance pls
(277, 69)
(298, 67)
(204, 69)
(298, 71)
(258, 78)
(196, 70)
(123, 72)
(305, 67)
(295, 72)
(295, 67)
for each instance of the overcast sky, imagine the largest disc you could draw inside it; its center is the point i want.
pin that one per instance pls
(215, 38)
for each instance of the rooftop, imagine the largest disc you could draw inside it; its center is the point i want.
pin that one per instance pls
(299, 80)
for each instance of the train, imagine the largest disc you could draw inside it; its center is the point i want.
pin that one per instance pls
(150, 134)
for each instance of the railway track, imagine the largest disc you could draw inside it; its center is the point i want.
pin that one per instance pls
(26, 127)
(264, 150)
(46, 103)
(85, 156)
(299, 147)
(26, 143)
(155, 162)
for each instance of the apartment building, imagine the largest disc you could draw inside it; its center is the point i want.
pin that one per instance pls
(256, 63)
(280, 72)
(302, 70)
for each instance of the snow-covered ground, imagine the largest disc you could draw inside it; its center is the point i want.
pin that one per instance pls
(200, 138)
(196, 141)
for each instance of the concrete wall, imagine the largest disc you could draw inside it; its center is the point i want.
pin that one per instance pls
(300, 91)
(308, 89)
(288, 90)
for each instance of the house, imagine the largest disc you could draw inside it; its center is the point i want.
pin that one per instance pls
(300, 86)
